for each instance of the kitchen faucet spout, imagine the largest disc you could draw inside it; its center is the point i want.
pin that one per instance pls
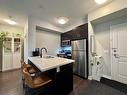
(41, 51)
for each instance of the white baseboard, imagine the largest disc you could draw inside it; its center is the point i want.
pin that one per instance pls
(105, 76)
(90, 77)
(10, 70)
(108, 77)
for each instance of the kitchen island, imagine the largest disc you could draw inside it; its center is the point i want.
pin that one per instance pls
(59, 69)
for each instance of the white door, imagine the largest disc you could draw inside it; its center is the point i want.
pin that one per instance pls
(7, 62)
(119, 52)
(16, 60)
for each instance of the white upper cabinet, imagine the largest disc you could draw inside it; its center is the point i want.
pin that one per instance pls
(11, 53)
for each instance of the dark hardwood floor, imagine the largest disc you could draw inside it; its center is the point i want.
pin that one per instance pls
(79, 84)
(11, 83)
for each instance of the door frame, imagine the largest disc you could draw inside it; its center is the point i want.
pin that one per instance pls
(113, 76)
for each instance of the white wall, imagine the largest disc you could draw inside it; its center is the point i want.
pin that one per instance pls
(90, 32)
(49, 40)
(30, 34)
(11, 29)
(26, 41)
(83, 21)
(102, 35)
(114, 6)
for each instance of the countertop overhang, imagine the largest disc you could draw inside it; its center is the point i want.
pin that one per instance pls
(44, 64)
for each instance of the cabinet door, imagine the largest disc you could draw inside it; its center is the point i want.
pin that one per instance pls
(63, 36)
(64, 79)
(7, 62)
(16, 53)
(69, 35)
(17, 47)
(80, 32)
(7, 54)
(66, 36)
(83, 31)
(16, 60)
(7, 49)
(75, 34)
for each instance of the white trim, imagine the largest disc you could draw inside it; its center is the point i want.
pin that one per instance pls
(111, 46)
(90, 77)
(107, 77)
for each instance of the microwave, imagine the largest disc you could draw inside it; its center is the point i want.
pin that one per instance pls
(66, 43)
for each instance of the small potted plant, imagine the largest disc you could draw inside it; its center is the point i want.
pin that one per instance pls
(18, 35)
(2, 38)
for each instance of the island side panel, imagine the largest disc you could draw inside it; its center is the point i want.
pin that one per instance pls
(29, 62)
(64, 79)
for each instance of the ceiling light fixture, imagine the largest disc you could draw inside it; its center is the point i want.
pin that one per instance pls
(100, 1)
(10, 21)
(63, 20)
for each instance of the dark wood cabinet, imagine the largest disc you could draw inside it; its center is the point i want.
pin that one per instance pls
(80, 32)
(64, 79)
(66, 35)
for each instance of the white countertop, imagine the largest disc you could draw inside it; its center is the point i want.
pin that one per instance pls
(44, 64)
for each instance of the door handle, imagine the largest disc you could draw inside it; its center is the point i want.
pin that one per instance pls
(114, 49)
(116, 56)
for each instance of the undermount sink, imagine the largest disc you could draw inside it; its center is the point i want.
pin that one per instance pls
(48, 57)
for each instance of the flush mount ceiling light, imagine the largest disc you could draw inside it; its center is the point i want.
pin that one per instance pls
(100, 1)
(63, 20)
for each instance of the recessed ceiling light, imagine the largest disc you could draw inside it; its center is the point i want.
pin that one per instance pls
(63, 20)
(100, 1)
(10, 21)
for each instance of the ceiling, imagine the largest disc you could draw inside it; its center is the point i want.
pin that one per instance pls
(48, 10)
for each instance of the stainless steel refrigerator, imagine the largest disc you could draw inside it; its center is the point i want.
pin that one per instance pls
(79, 55)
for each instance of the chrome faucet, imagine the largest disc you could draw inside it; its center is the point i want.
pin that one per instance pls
(41, 51)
